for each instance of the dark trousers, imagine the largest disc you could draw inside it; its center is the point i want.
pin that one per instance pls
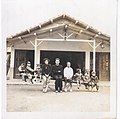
(58, 82)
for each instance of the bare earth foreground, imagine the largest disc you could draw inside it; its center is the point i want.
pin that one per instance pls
(29, 98)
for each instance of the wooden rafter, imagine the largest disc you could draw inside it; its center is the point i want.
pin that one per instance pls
(78, 25)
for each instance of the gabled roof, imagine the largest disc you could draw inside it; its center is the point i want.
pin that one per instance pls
(78, 27)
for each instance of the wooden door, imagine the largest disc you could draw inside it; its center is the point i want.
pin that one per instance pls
(104, 66)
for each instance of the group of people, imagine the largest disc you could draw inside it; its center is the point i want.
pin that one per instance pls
(57, 72)
(86, 79)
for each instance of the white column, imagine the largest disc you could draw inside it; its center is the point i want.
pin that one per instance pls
(38, 56)
(94, 55)
(35, 55)
(11, 70)
(12, 57)
(87, 60)
(38, 51)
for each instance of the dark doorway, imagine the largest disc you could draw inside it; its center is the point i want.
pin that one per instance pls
(77, 59)
(22, 56)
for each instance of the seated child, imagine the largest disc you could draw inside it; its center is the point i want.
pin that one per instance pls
(38, 71)
(78, 76)
(38, 74)
(29, 72)
(86, 79)
(94, 80)
(21, 70)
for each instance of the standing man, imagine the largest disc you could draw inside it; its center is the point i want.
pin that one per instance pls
(46, 72)
(57, 71)
(68, 74)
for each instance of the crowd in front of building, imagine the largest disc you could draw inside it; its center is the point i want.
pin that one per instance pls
(46, 72)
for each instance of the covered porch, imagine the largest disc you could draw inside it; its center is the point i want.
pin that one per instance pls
(62, 34)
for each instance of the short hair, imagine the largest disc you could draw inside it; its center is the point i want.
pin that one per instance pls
(69, 62)
(46, 59)
(28, 62)
(93, 72)
(23, 64)
(37, 65)
(78, 69)
(57, 59)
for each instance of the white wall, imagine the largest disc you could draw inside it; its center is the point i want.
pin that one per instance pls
(61, 46)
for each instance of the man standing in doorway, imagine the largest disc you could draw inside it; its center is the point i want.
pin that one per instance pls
(68, 74)
(57, 72)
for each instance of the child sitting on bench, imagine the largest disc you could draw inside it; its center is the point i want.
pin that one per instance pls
(78, 76)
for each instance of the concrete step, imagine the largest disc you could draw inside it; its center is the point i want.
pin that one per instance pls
(52, 82)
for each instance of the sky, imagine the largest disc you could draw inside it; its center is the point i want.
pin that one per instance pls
(19, 15)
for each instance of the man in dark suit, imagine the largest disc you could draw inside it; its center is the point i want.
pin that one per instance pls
(57, 72)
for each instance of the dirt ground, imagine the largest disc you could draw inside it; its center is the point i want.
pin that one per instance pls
(30, 98)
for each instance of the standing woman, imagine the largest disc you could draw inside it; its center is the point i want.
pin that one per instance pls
(57, 72)
(46, 72)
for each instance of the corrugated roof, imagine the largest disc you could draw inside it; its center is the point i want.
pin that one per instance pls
(78, 24)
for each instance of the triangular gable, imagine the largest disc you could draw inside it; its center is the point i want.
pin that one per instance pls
(58, 23)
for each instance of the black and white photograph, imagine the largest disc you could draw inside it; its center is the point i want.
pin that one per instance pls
(59, 59)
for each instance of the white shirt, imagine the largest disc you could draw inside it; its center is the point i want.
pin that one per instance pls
(68, 72)
(20, 68)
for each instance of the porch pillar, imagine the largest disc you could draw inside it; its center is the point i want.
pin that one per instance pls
(87, 60)
(35, 55)
(94, 55)
(38, 51)
(11, 70)
(38, 56)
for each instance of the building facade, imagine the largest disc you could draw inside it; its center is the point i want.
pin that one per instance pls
(63, 37)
